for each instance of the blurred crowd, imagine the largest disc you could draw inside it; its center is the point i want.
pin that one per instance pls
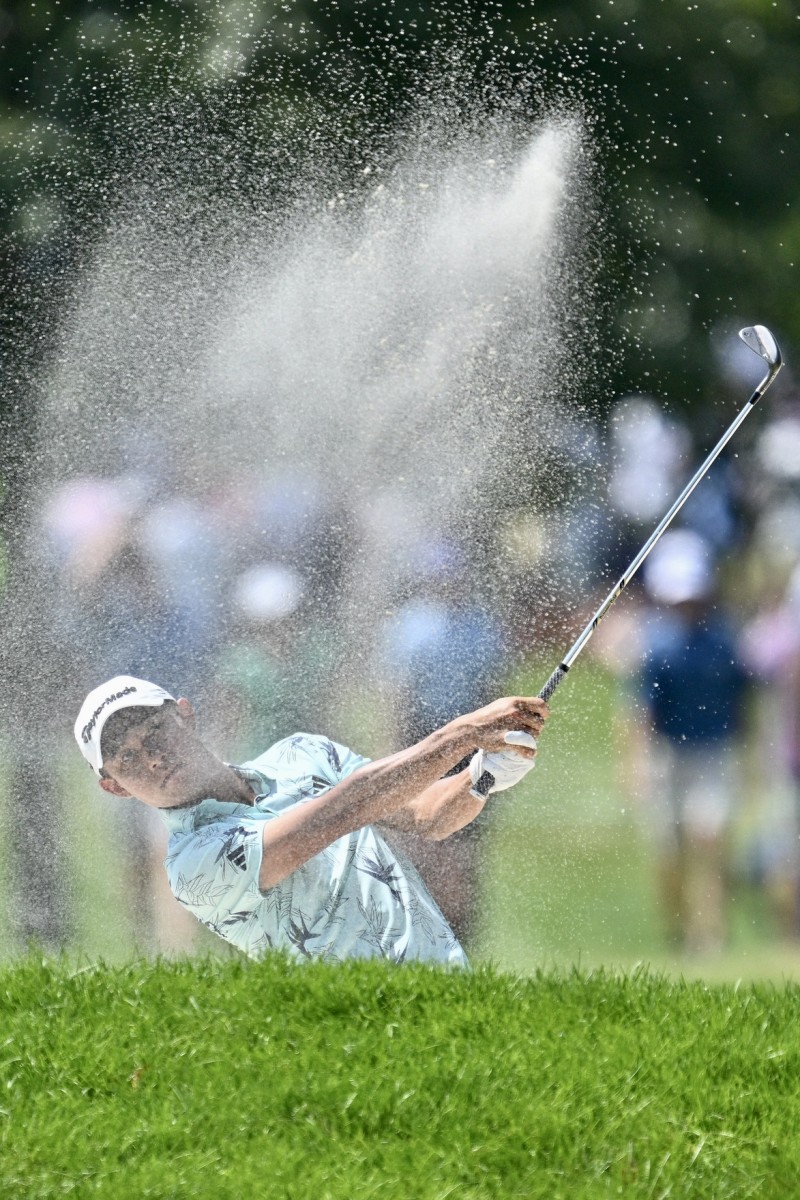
(706, 652)
(242, 599)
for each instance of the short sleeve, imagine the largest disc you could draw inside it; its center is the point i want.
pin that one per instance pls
(310, 755)
(214, 870)
(348, 761)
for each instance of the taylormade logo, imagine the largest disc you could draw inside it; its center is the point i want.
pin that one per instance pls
(86, 732)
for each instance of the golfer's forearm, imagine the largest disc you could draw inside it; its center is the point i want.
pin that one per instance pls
(393, 783)
(443, 808)
(370, 795)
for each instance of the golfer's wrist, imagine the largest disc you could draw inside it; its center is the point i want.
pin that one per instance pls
(461, 740)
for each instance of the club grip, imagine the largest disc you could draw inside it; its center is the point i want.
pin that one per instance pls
(553, 682)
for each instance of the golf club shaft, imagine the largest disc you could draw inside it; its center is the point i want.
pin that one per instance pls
(560, 672)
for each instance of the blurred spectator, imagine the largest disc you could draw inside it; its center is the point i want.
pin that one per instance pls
(444, 654)
(648, 454)
(693, 683)
(37, 650)
(273, 672)
(116, 605)
(182, 546)
(39, 899)
(771, 645)
(290, 518)
(121, 601)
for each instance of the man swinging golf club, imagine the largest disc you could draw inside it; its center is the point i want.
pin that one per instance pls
(282, 852)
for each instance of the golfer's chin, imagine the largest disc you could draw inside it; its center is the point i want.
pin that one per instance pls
(181, 787)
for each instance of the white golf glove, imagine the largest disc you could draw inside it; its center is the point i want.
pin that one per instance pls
(500, 769)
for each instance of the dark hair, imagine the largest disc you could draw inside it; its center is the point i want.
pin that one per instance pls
(118, 724)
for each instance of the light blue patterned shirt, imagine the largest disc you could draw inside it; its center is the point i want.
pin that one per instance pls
(358, 898)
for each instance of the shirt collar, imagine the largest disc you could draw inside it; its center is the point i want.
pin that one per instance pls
(184, 820)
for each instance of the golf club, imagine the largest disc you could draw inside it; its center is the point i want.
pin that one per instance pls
(761, 342)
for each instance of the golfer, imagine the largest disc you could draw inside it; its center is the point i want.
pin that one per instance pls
(282, 852)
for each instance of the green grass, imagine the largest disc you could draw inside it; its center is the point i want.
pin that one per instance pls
(226, 1079)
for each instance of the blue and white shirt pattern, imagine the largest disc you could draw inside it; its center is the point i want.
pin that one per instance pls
(358, 898)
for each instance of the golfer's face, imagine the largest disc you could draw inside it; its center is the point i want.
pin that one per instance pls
(162, 761)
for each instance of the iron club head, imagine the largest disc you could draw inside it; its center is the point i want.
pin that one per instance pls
(759, 339)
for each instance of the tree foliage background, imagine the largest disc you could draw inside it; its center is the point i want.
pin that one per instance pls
(694, 107)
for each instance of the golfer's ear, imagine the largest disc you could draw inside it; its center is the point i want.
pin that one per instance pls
(186, 711)
(115, 789)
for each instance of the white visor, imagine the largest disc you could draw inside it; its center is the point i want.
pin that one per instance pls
(123, 691)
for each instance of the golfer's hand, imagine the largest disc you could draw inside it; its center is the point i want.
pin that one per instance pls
(522, 714)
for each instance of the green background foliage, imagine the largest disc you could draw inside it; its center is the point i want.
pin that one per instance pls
(694, 107)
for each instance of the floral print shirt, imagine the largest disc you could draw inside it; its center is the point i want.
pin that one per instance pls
(358, 898)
